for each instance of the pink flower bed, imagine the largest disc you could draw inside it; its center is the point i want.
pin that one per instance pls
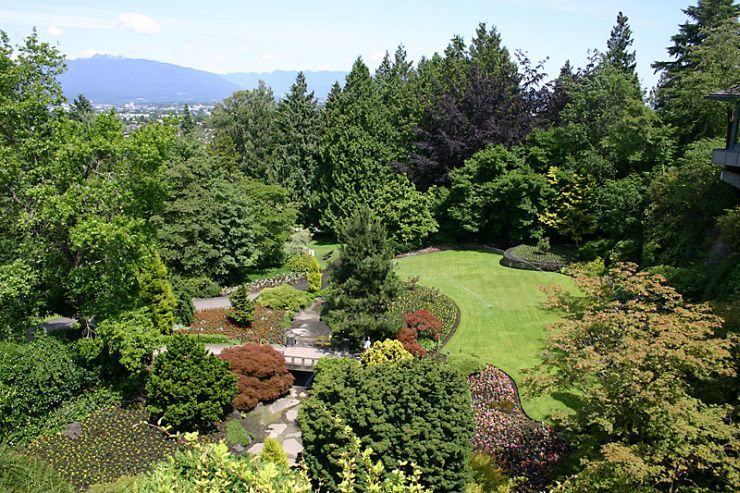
(519, 445)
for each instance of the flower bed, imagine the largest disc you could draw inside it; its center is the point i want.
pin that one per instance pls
(531, 258)
(112, 443)
(265, 329)
(519, 445)
(414, 298)
(295, 279)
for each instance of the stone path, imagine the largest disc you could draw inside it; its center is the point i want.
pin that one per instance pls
(210, 303)
(277, 420)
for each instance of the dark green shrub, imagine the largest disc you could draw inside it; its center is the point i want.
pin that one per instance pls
(284, 298)
(35, 379)
(243, 307)
(77, 409)
(417, 411)
(23, 474)
(236, 434)
(113, 442)
(594, 249)
(188, 387)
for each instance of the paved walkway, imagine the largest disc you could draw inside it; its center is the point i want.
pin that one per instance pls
(308, 329)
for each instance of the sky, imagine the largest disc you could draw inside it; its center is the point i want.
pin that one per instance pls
(247, 36)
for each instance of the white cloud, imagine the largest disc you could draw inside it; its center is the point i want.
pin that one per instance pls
(91, 52)
(138, 23)
(54, 31)
(269, 56)
(245, 48)
(325, 66)
(220, 58)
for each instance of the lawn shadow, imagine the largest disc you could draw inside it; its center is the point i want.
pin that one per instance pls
(572, 401)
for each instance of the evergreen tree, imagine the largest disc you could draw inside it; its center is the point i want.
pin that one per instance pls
(82, 109)
(187, 125)
(295, 158)
(618, 44)
(155, 293)
(356, 147)
(706, 14)
(363, 282)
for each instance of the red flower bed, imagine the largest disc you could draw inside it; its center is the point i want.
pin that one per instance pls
(520, 446)
(265, 329)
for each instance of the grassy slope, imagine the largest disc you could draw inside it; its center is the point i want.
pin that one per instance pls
(502, 321)
(323, 247)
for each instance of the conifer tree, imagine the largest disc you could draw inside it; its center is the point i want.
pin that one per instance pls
(296, 140)
(186, 123)
(356, 147)
(155, 292)
(363, 282)
(618, 44)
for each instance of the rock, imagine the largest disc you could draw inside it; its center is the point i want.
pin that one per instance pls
(291, 415)
(256, 448)
(296, 435)
(72, 431)
(281, 405)
(237, 449)
(292, 447)
(277, 429)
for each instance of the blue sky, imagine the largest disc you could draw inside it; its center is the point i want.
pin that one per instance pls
(247, 36)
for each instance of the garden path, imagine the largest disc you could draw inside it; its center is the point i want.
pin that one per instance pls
(308, 329)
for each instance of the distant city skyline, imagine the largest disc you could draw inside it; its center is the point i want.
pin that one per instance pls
(223, 37)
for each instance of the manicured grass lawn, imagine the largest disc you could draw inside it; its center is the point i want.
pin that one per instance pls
(322, 248)
(502, 321)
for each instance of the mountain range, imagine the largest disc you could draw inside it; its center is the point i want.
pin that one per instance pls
(106, 79)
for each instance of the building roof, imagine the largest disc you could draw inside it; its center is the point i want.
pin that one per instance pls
(729, 94)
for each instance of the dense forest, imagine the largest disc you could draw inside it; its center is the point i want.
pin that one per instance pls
(475, 145)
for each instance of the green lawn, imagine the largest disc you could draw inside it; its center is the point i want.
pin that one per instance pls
(502, 321)
(322, 248)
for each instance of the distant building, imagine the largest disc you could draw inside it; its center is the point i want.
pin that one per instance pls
(729, 157)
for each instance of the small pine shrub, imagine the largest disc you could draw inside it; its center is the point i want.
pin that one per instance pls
(261, 371)
(243, 307)
(236, 434)
(188, 387)
(273, 452)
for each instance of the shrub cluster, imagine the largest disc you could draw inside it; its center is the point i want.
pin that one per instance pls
(384, 352)
(187, 288)
(35, 379)
(416, 410)
(188, 387)
(519, 445)
(210, 467)
(556, 255)
(114, 442)
(420, 323)
(310, 265)
(262, 374)
(410, 340)
(414, 297)
(284, 297)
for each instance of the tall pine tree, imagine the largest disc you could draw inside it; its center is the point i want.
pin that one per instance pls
(357, 149)
(618, 45)
(363, 282)
(295, 157)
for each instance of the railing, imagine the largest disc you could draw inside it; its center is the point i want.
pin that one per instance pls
(306, 363)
